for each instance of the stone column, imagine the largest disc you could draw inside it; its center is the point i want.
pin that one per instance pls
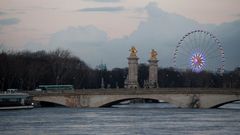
(153, 70)
(132, 79)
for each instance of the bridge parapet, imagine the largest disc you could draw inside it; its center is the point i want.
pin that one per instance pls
(140, 91)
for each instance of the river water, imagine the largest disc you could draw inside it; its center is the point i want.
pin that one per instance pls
(127, 120)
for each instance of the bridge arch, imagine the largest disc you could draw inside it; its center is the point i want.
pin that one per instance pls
(224, 103)
(217, 100)
(113, 99)
(125, 99)
(50, 104)
(51, 99)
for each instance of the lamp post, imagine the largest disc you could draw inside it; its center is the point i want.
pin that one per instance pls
(2, 83)
(166, 85)
(231, 81)
(57, 80)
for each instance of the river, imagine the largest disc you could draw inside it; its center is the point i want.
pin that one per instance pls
(144, 119)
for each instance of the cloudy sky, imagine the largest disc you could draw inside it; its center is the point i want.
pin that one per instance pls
(103, 30)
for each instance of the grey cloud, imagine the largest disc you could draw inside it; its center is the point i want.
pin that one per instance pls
(85, 42)
(42, 8)
(234, 15)
(27, 9)
(160, 31)
(15, 11)
(2, 13)
(102, 9)
(88, 34)
(2, 47)
(104, 0)
(138, 17)
(139, 10)
(9, 21)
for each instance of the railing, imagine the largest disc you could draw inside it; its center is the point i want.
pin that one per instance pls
(13, 93)
(138, 91)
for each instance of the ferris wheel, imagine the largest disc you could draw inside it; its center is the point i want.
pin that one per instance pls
(199, 50)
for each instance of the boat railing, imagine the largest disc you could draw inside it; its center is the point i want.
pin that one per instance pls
(15, 92)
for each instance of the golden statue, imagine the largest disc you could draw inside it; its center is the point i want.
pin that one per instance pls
(133, 51)
(153, 55)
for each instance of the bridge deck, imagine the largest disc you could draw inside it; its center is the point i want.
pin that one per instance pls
(139, 91)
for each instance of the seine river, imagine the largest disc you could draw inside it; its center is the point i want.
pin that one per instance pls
(144, 119)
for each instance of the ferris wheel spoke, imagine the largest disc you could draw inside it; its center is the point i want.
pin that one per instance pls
(210, 43)
(204, 39)
(209, 53)
(213, 58)
(211, 67)
(198, 42)
(184, 66)
(189, 48)
(205, 43)
(195, 40)
(187, 55)
(185, 49)
(213, 62)
(200, 39)
(179, 64)
(192, 42)
(210, 48)
(206, 46)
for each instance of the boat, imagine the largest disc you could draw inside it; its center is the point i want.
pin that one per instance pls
(11, 100)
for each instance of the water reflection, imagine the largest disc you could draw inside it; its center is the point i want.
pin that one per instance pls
(146, 105)
(132, 119)
(162, 104)
(233, 105)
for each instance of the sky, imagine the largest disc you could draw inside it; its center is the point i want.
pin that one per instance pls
(95, 29)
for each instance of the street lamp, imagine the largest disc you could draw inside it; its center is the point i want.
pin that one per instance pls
(166, 85)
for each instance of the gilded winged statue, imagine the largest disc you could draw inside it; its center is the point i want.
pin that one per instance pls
(133, 51)
(153, 54)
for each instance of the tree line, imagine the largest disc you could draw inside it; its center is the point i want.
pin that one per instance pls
(27, 70)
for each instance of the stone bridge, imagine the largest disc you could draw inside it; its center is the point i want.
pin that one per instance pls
(180, 97)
